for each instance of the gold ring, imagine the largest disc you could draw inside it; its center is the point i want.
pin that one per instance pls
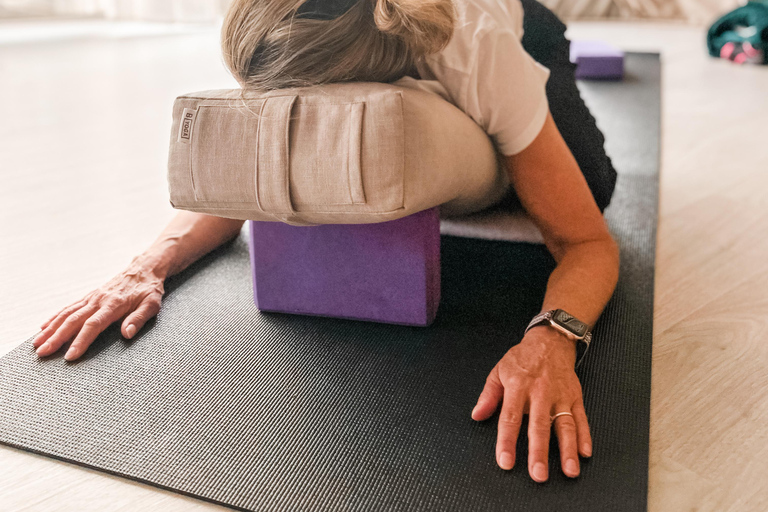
(552, 418)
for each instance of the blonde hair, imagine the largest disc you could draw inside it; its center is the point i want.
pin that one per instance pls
(265, 46)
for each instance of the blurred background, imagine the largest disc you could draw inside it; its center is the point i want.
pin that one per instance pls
(86, 91)
(149, 10)
(695, 11)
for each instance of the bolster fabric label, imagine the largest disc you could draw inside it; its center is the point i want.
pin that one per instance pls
(187, 123)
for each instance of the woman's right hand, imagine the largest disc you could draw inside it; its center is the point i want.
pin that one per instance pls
(134, 296)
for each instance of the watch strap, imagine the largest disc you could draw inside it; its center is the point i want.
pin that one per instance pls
(541, 318)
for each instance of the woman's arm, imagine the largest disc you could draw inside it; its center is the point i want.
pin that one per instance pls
(188, 237)
(537, 377)
(135, 294)
(555, 194)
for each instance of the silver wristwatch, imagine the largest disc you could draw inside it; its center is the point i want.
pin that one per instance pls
(567, 324)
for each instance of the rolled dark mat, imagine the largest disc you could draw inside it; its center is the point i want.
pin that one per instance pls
(269, 411)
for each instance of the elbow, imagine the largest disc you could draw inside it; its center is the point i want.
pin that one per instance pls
(614, 257)
(607, 255)
(601, 253)
(606, 250)
(603, 246)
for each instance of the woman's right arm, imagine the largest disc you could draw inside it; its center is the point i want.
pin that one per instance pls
(135, 294)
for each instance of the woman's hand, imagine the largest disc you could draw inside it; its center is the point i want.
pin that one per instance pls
(537, 377)
(134, 295)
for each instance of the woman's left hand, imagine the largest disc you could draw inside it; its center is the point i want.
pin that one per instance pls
(537, 377)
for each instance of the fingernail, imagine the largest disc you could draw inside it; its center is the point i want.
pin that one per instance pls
(587, 450)
(505, 460)
(571, 467)
(540, 471)
(130, 330)
(70, 355)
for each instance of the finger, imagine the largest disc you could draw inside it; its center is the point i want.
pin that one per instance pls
(66, 311)
(582, 429)
(565, 428)
(510, 419)
(490, 397)
(539, 427)
(66, 330)
(92, 327)
(52, 325)
(41, 338)
(136, 320)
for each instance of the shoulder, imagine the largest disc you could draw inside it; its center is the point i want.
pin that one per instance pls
(479, 24)
(486, 72)
(489, 14)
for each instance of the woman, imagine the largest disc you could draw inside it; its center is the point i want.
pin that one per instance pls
(479, 52)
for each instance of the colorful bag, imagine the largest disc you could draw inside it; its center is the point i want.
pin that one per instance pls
(741, 35)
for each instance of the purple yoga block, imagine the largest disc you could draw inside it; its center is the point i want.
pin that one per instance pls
(385, 272)
(596, 59)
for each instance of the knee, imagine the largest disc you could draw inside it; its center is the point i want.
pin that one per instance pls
(601, 178)
(541, 27)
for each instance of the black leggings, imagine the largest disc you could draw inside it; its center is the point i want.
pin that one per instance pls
(544, 39)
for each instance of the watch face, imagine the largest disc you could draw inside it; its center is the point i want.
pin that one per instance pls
(569, 322)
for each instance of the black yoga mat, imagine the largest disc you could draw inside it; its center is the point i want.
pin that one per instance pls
(267, 411)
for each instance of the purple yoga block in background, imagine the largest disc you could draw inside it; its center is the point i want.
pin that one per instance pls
(385, 272)
(596, 59)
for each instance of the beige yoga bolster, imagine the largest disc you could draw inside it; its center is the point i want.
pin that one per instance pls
(348, 153)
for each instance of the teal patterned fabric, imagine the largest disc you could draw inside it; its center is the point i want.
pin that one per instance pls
(742, 34)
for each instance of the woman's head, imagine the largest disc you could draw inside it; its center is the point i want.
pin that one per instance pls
(267, 46)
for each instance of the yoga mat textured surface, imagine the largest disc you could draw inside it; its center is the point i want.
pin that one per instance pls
(270, 411)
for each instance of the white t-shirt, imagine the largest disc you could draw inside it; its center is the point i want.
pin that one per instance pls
(485, 71)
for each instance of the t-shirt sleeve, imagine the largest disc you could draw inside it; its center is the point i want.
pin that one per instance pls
(505, 91)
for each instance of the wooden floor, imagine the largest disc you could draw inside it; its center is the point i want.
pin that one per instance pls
(83, 140)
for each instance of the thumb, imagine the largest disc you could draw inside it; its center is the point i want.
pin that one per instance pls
(148, 308)
(489, 399)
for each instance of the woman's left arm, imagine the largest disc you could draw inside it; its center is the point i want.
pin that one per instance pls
(537, 377)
